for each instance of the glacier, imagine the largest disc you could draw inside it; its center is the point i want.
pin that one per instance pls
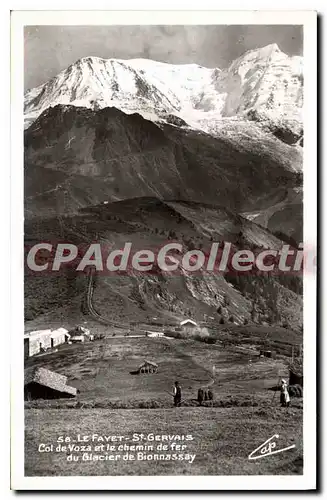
(263, 84)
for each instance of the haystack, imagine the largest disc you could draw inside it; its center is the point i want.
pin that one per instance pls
(296, 373)
(148, 367)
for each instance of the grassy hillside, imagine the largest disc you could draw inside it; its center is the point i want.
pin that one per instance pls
(102, 370)
(244, 413)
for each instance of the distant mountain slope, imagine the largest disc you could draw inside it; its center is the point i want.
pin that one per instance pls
(149, 223)
(263, 84)
(75, 157)
(284, 215)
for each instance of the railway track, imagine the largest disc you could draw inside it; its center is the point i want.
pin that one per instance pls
(89, 307)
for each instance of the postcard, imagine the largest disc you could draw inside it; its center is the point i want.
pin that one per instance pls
(164, 185)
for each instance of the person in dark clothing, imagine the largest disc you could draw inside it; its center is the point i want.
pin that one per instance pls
(200, 396)
(205, 395)
(210, 395)
(177, 394)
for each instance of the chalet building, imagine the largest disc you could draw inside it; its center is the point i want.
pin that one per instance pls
(59, 336)
(148, 367)
(78, 339)
(44, 384)
(188, 323)
(80, 334)
(36, 341)
(154, 334)
(41, 340)
(268, 354)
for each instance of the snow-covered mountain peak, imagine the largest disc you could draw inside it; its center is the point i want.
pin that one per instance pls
(262, 53)
(263, 80)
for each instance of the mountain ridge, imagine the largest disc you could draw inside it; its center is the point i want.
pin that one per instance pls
(193, 93)
(107, 155)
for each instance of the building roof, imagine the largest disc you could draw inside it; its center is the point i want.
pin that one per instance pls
(36, 334)
(79, 330)
(188, 322)
(50, 379)
(59, 332)
(146, 362)
(154, 334)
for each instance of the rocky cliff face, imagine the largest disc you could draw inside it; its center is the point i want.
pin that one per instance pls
(76, 156)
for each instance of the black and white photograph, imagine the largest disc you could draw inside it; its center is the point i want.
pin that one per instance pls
(166, 260)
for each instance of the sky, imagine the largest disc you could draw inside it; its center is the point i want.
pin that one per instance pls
(50, 49)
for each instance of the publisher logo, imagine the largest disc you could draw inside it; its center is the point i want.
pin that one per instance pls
(268, 448)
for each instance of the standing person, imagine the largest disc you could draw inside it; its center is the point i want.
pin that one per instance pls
(177, 394)
(200, 396)
(284, 395)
